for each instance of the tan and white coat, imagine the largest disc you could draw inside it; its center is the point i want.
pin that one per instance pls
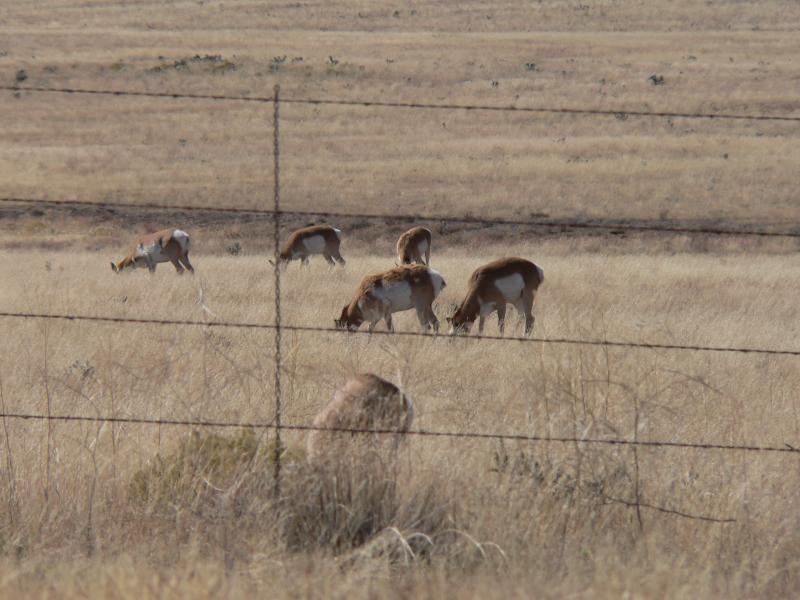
(414, 246)
(398, 289)
(493, 286)
(365, 402)
(315, 239)
(167, 245)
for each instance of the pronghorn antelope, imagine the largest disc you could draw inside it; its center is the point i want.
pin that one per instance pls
(413, 245)
(168, 245)
(492, 286)
(315, 239)
(401, 288)
(366, 401)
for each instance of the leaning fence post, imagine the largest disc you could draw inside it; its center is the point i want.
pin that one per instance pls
(278, 450)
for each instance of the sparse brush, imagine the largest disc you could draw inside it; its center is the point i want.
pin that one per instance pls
(364, 507)
(202, 464)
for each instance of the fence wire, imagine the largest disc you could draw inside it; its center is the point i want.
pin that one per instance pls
(480, 435)
(616, 113)
(419, 334)
(561, 225)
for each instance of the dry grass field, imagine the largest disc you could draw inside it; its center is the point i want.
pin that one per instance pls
(93, 509)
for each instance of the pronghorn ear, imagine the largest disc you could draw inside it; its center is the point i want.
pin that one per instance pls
(114, 268)
(271, 262)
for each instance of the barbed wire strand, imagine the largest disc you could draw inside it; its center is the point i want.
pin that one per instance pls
(521, 437)
(668, 511)
(408, 217)
(470, 338)
(617, 113)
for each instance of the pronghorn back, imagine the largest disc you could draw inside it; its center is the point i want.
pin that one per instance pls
(531, 273)
(504, 281)
(415, 246)
(311, 240)
(162, 246)
(400, 288)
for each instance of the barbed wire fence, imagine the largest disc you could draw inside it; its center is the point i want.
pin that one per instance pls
(276, 213)
(277, 271)
(560, 225)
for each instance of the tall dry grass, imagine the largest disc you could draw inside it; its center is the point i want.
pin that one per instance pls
(195, 512)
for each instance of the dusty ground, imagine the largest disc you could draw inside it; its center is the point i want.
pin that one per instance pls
(503, 520)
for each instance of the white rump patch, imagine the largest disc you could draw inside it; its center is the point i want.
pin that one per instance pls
(422, 246)
(438, 282)
(314, 244)
(338, 233)
(510, 286)
(180, 236)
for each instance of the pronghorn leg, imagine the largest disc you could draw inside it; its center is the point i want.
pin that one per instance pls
(527, 303)
(481, 320)
(433, 320)
(186, 263)
(519, 305)
(427, 318)
(424, 319)
(337, 255)
(388, 318)
(329, 259)
(175, 263)
(501, 317)
(304, 261)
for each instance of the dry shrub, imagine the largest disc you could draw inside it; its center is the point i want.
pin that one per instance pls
(364, 507)
(188, 477)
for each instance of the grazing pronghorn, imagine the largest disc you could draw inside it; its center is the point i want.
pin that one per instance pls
(366, 401)
(315, 239)
(168, 245)
(492, 286)
(413, 245)
(401, 288)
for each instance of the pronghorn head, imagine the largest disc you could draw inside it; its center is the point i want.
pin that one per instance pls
(348, 320)
(283, 259)
(129, 263)
(460, 322)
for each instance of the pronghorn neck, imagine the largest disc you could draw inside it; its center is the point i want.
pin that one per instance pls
(469, 309)
(351, 316)
(129, 262)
